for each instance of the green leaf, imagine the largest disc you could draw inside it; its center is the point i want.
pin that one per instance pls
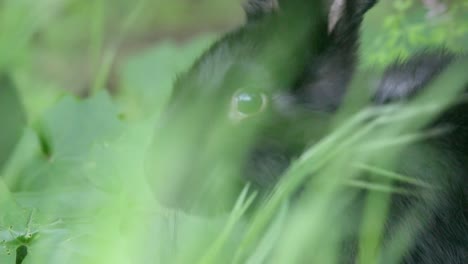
(22, 227)
(73, 126)
(69, 132)
(12, 118)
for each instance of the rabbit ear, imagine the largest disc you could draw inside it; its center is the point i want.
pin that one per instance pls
(325, 80)
(404, 79)
(335, 13)
(255, 9)
(345, 16)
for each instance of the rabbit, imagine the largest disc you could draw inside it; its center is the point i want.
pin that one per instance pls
(300, 57)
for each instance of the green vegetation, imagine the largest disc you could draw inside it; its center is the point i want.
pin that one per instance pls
(83, 86)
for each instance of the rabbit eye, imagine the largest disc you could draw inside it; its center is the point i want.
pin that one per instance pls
(245, 103)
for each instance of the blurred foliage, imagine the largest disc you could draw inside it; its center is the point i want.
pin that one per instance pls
(139, 94)
(72, 186)
(396, 29)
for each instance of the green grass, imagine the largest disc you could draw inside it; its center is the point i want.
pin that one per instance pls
(81, 177)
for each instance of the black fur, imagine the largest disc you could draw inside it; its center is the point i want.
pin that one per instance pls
(440, 221)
